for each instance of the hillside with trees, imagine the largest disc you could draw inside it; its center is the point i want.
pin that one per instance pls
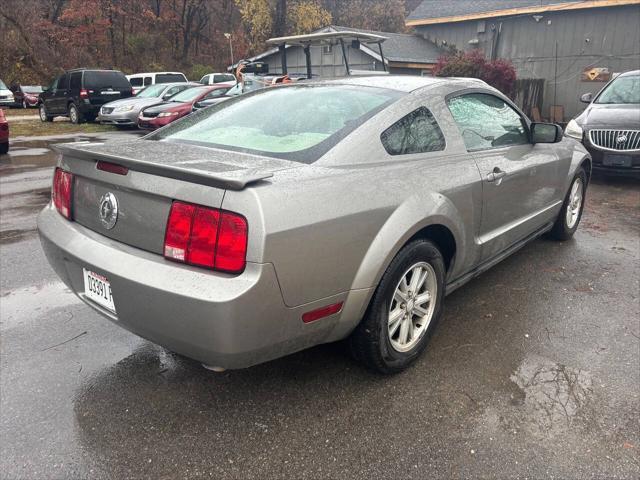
(40, 38)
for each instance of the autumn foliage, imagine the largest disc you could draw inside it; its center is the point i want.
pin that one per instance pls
(41, 38)
(498, 73)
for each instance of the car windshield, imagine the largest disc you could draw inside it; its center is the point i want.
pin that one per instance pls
(34, 89)
(152, 91)
(622, 90)
(2, 85)
(170, 77)
(96, 79)
(298, 122)
(189, 95)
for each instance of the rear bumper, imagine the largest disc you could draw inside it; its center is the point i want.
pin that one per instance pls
(217, 319)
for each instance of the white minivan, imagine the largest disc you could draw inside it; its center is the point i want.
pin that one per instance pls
(139, 81)
(227, 79)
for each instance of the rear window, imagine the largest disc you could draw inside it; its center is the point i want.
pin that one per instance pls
(32, 89)
(170, 77)
(223, 78)
(96, 79)
(295, 122)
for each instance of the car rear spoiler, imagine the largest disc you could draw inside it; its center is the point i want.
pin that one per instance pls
(193, 172)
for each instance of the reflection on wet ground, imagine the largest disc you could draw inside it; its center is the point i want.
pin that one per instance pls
(552, 394)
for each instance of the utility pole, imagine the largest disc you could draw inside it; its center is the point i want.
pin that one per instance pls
(228, 37)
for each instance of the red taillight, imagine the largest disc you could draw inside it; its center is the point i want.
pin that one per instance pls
(206, 237)
(61, 192)
(112, 168)
(84, 93)
(319, 313)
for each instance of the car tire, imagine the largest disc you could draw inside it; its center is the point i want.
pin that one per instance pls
(74, 114)
(4, 148)
(24, 104)
(569, 217)
(389, 345)
(44, 117)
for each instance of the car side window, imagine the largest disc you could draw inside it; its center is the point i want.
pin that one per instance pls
(486, 121)
(205, 79)
(171, 92)
(54, 84)
(63, 82)
(136, 81)
(417, 132)
(76, 80)
(147, 81)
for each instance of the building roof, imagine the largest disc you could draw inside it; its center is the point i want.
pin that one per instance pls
(402, 47)
(446, 11)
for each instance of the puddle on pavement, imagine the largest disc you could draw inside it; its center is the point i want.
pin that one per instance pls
(545, 399)
(553, 395)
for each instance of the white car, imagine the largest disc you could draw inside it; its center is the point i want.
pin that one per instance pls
(139, 81)
(227, 79)
(6, 95)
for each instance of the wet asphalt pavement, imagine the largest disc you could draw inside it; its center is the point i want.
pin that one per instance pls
(534, 372)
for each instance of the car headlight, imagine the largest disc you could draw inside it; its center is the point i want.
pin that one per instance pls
(124, 108)
(573, 130)
(167, 114)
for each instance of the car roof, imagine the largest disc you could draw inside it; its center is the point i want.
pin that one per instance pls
(403, 83)
(155, 73)
(632, 73)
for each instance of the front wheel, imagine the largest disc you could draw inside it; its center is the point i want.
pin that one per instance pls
(404, 310)
(569, 217)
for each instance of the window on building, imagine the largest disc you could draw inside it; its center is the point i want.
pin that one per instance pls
(417, 132)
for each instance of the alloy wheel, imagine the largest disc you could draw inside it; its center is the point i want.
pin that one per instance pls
(412, 306)
(575, 203)
(43, 113)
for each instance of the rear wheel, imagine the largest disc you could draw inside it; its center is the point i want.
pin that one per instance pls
(404, 310)
(44, 116)
(74, 114)
(24, 104)
(569, 217)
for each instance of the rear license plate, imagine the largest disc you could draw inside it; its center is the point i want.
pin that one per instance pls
(616, 160)
(98, 289)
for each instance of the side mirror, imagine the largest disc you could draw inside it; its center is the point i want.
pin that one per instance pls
(546, 133)
(586, 98)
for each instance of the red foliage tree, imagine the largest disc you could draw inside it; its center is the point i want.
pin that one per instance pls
(498, 73)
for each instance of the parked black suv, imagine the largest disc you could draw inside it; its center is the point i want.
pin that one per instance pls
(79, 94)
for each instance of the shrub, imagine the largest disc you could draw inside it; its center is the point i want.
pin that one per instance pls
(498, 73)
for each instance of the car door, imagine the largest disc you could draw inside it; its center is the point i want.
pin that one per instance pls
(59, 99)
(519, 189)
(49, 96)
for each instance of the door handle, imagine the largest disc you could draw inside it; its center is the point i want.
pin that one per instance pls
(496, 176)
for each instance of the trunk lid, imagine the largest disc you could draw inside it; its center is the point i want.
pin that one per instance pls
(159, 172)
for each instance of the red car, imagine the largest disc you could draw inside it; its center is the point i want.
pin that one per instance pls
(4, 133)
(26, 96)
(178, 106)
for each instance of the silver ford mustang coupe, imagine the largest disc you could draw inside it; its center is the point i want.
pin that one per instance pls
(309, 213)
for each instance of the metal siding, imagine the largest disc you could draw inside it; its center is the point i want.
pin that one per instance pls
(614, 42)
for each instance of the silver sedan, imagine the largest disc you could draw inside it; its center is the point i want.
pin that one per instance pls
(125, 112)
(309, 213)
